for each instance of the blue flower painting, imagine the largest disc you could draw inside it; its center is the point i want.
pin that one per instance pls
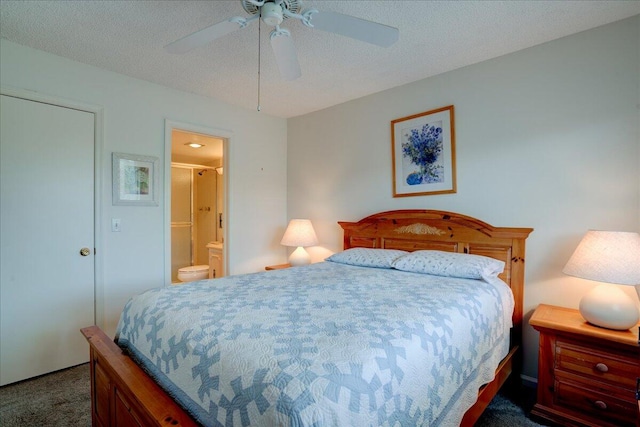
(423, 148)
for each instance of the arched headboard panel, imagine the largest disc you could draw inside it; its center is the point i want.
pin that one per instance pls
(412, 230)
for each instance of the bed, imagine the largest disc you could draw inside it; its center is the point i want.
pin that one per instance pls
(354, 340)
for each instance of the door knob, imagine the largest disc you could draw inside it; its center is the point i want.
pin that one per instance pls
(85, 251)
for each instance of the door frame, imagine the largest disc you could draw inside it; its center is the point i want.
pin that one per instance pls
(226, 136)
(98, 141)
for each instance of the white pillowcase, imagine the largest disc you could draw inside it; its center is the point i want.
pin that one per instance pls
(367, 257)
(450, 264)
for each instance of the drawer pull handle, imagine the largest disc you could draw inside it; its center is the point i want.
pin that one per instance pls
(600, 404)
(601, 367)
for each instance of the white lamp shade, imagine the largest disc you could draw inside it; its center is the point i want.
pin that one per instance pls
(299, 232)
(610, 257)
(607, 256)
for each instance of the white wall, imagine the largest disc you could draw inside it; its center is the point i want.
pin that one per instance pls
(547, 138)
(134, 122)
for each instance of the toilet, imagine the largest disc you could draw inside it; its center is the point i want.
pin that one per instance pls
(193, 273)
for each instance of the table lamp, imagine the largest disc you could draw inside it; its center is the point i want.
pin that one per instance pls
(612, 257)
(299, 233)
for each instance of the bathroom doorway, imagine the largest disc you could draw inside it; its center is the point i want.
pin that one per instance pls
(198, 222)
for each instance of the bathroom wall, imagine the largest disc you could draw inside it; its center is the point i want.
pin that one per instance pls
(221, 217)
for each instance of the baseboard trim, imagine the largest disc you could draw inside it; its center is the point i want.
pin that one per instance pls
(528, 381)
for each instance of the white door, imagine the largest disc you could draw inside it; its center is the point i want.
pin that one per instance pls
(46, 218)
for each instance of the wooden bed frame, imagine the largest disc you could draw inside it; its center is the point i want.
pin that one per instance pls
(123, 395)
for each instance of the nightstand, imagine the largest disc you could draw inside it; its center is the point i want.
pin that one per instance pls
(586, 374)
(277, 267)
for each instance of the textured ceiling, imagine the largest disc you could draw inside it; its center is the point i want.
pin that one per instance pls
(435, 36)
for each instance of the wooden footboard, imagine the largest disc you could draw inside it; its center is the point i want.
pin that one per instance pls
(123, 395)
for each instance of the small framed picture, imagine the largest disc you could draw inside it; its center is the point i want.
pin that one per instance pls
(135, 180)
(424, 153)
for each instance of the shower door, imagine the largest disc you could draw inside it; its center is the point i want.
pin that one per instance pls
(181, 220)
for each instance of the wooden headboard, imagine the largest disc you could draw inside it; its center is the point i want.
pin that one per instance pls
(412, 230)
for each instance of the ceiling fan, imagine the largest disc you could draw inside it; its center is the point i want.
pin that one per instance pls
(273, 13)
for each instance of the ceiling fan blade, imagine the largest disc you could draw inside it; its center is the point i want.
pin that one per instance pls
(355, 28)
(205, 35)
(285, 52)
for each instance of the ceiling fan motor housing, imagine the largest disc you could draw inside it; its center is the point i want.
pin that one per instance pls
(271, 14)
(252, 7)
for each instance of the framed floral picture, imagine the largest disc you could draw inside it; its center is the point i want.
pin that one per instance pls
(135, 180)
(424, 153)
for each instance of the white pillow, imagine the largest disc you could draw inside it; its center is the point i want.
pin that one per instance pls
(367, 257)
(450, 264)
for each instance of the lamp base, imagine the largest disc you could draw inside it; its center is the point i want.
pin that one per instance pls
(299, 257)
(609, 307)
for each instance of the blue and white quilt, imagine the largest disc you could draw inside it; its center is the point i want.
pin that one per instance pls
(323, 345)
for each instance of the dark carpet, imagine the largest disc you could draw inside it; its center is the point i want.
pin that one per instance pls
(62, 399)
(58, 399)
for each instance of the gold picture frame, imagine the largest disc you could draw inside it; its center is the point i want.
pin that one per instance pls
(424, 153)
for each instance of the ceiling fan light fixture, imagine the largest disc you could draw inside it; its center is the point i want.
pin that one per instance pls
(271, 14)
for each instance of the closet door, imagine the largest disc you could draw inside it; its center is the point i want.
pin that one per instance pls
(46, 237)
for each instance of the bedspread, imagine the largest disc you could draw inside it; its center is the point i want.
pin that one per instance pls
(322, 345)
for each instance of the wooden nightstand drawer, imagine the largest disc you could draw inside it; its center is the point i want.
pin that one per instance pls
(616, 369)
(586, 374)
(583, 401)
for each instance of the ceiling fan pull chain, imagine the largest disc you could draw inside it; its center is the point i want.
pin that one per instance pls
(259, 49)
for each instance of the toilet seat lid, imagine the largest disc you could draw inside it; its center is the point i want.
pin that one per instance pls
(194, 268)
